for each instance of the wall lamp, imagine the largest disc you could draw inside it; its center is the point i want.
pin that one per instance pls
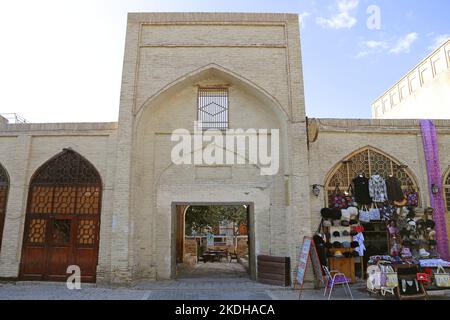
(316, 189)
(434, 189)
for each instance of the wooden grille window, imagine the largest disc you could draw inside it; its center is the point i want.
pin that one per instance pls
(213, 108)
(4, 188)
(447, 191)
(369, 162)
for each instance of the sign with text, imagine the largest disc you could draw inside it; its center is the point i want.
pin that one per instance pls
(308, 252)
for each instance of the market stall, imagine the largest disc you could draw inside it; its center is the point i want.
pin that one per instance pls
(373, 231)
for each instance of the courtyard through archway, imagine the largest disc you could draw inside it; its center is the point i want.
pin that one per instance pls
(213, 241)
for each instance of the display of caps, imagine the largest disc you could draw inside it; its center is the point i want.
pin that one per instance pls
(327, 223)
(345, 223)
(337, 244)
(338, 254)
(336, 234)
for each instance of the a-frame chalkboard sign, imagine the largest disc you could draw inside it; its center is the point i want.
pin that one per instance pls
(308, 252)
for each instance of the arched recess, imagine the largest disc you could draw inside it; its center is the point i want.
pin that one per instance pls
(62, 220)
(369, 161)
(446, 188)
(4, 189)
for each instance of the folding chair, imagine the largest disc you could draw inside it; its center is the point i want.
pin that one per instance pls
(334, 277)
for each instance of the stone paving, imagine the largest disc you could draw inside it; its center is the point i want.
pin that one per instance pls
(202, 282)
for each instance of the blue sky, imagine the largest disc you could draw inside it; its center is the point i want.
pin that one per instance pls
(61, 61)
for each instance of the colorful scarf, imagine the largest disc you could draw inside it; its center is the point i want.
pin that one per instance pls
(431, 150)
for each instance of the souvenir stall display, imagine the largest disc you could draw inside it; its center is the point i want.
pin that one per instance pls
(375, 231)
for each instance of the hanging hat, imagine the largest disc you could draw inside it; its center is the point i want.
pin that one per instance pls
(353, 233)
(327, 223)
(345, 233)
(326, 213)
(337, 244)
(336, 223)
(353, 212)
(346, 244)
(338, 254)
(354, 244)
(429, 210)
(336, 234)
(345, 215)
(430, 224)
(336, 214)
(421, 224)
(353, 222)
(345, 223)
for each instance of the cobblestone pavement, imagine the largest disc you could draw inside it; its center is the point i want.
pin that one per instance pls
(209, 281)
(185, 289)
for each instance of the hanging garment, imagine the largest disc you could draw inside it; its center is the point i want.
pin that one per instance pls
(361, 190)
(394, 189)
(377, 188)
(360, 239)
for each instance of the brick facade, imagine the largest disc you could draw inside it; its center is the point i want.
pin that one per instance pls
(167, 55)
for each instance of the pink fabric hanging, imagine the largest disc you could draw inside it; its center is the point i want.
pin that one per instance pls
(431, 150)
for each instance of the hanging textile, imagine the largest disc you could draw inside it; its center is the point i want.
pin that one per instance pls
(431, 150)
(394, 189)
(377, 188)
(361, 188)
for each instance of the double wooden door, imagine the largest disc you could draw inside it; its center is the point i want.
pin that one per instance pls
(55, 242)
(63, 220)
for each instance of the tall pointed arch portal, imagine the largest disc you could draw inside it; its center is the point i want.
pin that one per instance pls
(62, 220)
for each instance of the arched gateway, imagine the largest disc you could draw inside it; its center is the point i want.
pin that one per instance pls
(62, 220)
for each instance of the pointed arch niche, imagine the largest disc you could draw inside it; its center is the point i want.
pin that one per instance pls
(369, 161)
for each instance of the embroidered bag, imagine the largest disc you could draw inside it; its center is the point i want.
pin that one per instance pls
(442, 278)
(339, 200)
(364, 214)
(389, 278)
(375, 214)
(412, 196)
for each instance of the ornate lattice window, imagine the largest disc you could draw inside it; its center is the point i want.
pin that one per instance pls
(67, 185)
(213, 108)
(447, 191)
(367, 161)
(4, 188)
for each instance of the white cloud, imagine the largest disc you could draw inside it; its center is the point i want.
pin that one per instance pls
(438, 41)
(372, 44)
(344, 18)
(404, 44)
(394, 46)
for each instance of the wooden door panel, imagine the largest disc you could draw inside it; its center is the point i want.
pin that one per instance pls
(33, 260)
(86, 259)
(58, 259)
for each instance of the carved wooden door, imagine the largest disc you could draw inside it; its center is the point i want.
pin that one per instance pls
(63, 220)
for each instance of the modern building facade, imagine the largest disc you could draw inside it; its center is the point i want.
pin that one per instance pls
(423, 93)
(104, 196)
